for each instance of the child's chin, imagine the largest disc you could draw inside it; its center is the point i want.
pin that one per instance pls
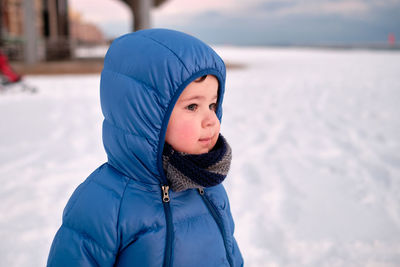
(193, 151)
(204, 149)
(198, 149)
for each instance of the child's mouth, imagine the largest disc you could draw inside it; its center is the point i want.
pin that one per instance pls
(206, 140)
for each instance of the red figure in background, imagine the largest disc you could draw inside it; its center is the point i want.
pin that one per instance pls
(9, 78)
(5, 70)
(391, 39)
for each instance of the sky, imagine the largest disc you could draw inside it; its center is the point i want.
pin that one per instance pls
(259, 22)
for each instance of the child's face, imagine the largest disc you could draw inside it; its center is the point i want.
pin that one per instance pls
(194, 127)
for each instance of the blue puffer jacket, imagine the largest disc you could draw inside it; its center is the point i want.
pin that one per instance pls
(120, 215)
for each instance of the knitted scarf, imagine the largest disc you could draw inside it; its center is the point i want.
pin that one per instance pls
(186, 171)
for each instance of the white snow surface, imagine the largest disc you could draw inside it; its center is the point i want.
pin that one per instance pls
(315, 176)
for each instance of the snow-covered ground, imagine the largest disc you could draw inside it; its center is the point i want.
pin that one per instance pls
(315, 178)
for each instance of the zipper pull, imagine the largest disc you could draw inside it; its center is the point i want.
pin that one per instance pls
(165, 194)
(201, 191)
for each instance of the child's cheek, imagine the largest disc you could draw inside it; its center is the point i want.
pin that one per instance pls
(187, 130)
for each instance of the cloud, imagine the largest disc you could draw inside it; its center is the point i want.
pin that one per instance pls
(326, 7)
(179, 7)
(183, 9)
(100, 11)
(259, 21)
(283, 23)
(109, 10)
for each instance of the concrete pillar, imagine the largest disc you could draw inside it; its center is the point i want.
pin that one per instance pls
(1, 23)
(141, 14)
(30, 49)
(53, 22)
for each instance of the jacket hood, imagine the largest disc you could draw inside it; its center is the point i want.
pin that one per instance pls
(144, 73)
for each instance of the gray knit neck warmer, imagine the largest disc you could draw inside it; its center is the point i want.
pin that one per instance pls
(184, 171)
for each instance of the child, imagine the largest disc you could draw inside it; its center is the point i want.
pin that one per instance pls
(158, 201)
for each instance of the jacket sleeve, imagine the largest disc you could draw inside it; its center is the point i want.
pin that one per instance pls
(88, 235)
(74, 248)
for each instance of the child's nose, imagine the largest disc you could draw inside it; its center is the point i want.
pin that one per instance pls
(209, 119)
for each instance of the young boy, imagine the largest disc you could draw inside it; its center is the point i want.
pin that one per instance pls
(158, 201)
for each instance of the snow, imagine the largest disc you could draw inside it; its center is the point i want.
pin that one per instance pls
(315, 177)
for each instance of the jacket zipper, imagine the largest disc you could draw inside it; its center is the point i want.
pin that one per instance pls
(168, 218)
(213, 210)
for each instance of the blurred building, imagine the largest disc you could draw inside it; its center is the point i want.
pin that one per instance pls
(51, 32)
(51, 28)
(82, 32)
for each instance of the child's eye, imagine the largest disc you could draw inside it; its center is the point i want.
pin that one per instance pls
(192, 107)
(213, 106)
